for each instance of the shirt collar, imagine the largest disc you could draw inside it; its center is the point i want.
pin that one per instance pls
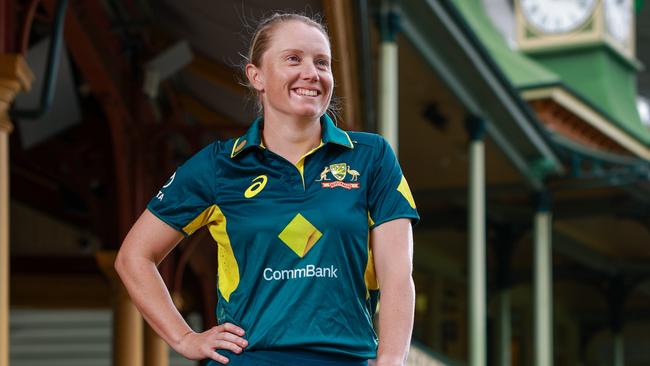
(329, 131)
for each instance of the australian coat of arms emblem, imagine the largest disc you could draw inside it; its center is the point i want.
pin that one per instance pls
(339, 171)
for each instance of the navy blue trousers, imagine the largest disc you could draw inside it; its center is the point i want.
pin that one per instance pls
(287, 358)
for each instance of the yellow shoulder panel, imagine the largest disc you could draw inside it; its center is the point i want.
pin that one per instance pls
(228, 268)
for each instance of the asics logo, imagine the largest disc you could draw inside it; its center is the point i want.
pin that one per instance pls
(258, 185)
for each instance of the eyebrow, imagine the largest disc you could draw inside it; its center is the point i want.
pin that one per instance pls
(302, 52)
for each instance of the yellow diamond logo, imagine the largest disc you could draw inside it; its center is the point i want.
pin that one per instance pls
(300, 235)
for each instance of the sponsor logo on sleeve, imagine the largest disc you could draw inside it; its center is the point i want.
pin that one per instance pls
(160, 194)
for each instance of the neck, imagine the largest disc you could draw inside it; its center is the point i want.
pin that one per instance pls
(291, 137)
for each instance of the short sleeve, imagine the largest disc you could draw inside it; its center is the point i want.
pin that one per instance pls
(389, 195)
(185, 200)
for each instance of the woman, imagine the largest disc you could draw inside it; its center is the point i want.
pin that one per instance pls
(298, 209)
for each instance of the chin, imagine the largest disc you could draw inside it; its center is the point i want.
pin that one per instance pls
(308, 112)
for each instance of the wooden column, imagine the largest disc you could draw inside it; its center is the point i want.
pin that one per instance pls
(128, 332)
(15, 76)
(344, 54)
(156, 352)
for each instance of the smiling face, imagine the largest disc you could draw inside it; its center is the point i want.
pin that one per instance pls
(294, 77)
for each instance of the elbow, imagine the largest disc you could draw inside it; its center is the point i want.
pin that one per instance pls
(129, 261)
(120, 264)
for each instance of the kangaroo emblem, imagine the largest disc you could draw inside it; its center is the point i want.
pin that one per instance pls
(323, 174)
(355, 174)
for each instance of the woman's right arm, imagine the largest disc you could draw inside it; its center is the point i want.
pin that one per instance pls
(145, 246)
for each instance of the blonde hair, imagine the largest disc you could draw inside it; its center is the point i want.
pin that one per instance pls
(262, 36)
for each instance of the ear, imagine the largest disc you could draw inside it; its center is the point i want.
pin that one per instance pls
(254, 75)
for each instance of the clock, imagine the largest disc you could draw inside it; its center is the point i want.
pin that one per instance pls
(557, 16)
(618, 19)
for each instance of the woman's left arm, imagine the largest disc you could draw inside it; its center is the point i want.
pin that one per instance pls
(392, 248)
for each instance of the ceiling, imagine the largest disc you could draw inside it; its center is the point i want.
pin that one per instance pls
(219, 32)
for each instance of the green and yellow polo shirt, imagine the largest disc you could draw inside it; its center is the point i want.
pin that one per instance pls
(294, 265)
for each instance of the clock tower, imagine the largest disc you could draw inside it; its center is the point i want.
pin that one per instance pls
(590, 45)
(548, 25)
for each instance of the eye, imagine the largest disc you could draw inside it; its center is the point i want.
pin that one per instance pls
(323, 63)
(293, 58)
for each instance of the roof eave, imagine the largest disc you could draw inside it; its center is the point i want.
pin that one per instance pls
(449, 45)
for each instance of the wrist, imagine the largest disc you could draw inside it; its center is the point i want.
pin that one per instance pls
(389, 361)
(179, 343)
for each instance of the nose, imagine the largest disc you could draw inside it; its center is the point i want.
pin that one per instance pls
(309, 72)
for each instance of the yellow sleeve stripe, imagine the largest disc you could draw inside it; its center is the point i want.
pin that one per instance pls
(404, 189)
(370, 276)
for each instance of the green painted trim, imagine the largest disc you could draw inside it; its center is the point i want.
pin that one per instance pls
(475, 127)
(456, 14)
(639, 5)
(518, 150)
(389, 20)
(606, 88)
(541, 168)
(541, 86)
(525, 73)
(389, 26)
(621, 170)
(543, 201)
(519, 69)
(601, 156)
(604, 113)
(632, 63)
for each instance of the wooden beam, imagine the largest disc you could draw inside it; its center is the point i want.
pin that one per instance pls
(60, 291)
(217, 73)
(344, 62)
(207, 116)
(94, 68)
(202, 66)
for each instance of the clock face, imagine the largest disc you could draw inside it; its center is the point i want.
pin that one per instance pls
(618, 17)
(557, 16)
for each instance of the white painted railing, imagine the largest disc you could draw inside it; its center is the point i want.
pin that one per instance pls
(82, 337)
(76, 337)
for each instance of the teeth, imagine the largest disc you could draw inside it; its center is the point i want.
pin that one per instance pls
(307, 92)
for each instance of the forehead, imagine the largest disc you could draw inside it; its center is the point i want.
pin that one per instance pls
(298, 35)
